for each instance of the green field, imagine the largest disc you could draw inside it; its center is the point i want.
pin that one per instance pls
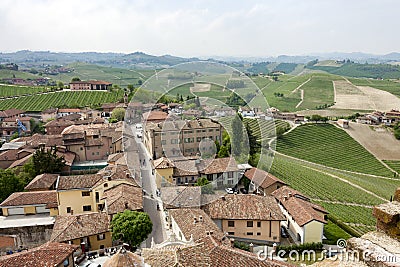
(318, 91)
(330, 146)
(385, 85)
(59, 99)
(323, 185)
(394, 164)
(8, 74)
(8, 91)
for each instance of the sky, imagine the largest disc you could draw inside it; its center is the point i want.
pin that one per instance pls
(195, 28)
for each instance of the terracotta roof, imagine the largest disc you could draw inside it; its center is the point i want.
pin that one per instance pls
(12, 112)
(77, 181)
(69, 110)
(30, 198)
(196, 223)
(114, 157)
(48, 254)
(124, 258)
(38, 139)
(122, 197)
(7, 241)
(70, 227)
(245, 207)
(50, 110)
(155, 115)
(185, 168)
(19, 118)
(218, 165)
(73, 117)
(299, 206)
(69, 157)
(163, 163)
(59, 122)
(181, 196)
(9, 155)
(262, 178)
(179, 125)
(20, 162)
(42, 181)
(195, 255)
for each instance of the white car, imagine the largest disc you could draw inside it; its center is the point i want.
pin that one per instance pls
(229, 190)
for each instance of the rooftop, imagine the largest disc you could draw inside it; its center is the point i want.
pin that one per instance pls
(48, 254)
(70, 227)
(42, 181)
(245, 207)
(299, 206)
(123, 196)
(30, 198)
(77, 181)
(195, 223)
(181, 196)
(262, 178)
(16, 221)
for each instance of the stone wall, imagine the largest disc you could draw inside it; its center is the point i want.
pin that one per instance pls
(27, 237)
(388, 217)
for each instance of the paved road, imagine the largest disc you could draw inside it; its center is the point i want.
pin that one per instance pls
(150, 203)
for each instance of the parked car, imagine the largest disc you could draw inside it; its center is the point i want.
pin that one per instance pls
(284, 232)
(229, 190)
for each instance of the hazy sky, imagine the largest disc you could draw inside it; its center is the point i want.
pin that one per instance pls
(201, 28)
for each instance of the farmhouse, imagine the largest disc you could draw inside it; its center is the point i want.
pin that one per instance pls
(263, 182)
(304, 220)
(90, 85)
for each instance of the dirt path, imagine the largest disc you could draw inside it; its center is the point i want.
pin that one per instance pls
(378, 141)
(302, 98)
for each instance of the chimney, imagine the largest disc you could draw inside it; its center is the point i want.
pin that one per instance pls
(194, 220)
(127, 174)
(223, 198)
(251, 248)
(200, 218)
(72, 212)
(289, 194)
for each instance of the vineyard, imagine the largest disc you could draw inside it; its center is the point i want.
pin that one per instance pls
(394, 164)
(58, 99)
(11, 90)
(349, 203)
(330, 146)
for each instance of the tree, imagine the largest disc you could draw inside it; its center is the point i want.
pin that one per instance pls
(76, 79)
(223, 152)
(206, 186)
(47, 161)
(9, 183)
(37, 127)
(132, 227)
(253, 144)
(60, 85)
(118, 114)
(197, 102)
(237, 135)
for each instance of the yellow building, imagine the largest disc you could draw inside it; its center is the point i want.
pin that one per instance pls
(304, 220)
(29, 203)
(85, 193)
(248, 217)
(92, 229)
(164, 170)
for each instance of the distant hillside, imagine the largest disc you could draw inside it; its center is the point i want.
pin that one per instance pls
(376, 71)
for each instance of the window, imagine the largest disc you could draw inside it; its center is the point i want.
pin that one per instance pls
(86, 194)
(231, 223)
(106, 185)
(101, 237)
(231, 233)
(68, 209)
(81, 148)
(95, 136)
(249, 223)
(163, 142)
(210, 130)
(198, 139)
(97, 153)
(258, 233)
(87, 208)
(249, 233)
(230, 174)
(258, 224)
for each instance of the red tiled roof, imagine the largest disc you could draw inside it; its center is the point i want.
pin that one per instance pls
(78, 181)
(42, 181)
(30, 198)
(70, 227)
(59, 122)
(12, 112)
(163, 163)
(69, 110)
(155, 115)
(49, 254)
(245, 207)
(299, 206)
(123, 196)
(262, 178)
(196, 223)
(218, 165)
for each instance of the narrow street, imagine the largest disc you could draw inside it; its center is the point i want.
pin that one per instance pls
(150, 199)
